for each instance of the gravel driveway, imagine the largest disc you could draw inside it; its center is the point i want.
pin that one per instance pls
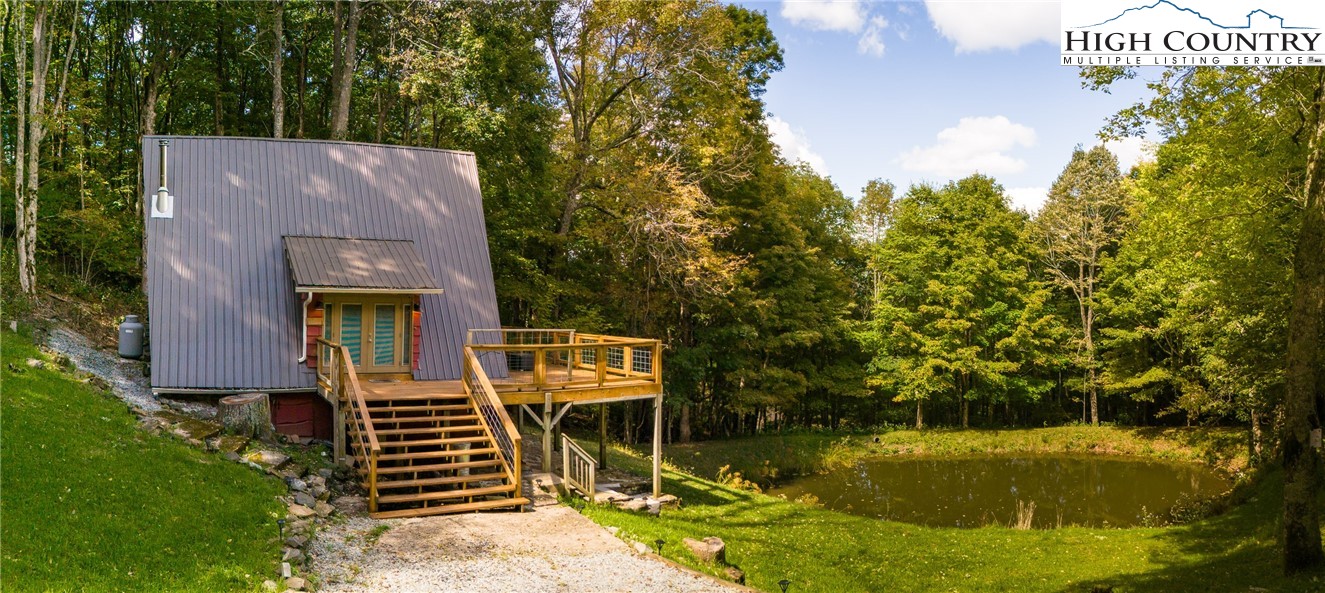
(551, 549)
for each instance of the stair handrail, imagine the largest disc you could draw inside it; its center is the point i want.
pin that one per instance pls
(579, 469)
(493, 416)
(349, 391)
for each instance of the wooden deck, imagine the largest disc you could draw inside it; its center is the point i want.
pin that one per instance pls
(580, 387)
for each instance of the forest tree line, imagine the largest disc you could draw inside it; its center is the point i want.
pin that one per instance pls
(630, 187)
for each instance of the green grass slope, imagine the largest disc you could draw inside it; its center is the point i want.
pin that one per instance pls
(829, 552)
(90, 503)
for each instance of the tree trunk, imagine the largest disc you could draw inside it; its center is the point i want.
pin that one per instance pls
(277, 61)
(1302, 394)
(920, 414)
(685, 423)
(346, 32)
(246, 414)
(21, 145)
(26, 199)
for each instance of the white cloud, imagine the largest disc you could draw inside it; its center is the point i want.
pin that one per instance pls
(976, 144)
(1029, 199)
(795, 146)
(975, 26)
(871, 43)
(825, 15)
(1130, 151)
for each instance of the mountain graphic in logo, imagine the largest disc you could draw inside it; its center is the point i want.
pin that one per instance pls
(1166, 5)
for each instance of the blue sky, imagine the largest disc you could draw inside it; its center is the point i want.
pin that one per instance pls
(928, 91)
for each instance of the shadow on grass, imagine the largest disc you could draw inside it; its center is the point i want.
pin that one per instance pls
(1236, 551)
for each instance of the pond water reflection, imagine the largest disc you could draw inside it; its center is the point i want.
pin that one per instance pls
(985, 490)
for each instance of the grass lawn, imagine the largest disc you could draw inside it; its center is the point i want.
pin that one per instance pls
(825, 551)
(90, 503)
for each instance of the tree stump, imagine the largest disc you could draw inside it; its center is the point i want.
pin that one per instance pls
(246, 414)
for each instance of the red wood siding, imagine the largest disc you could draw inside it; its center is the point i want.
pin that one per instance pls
(315, 321)
(301, 414)
(417, 339)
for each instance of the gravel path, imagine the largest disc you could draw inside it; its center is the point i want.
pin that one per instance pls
(551, 549)
(125, 376)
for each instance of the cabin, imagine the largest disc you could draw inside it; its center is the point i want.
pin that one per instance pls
(351, 282)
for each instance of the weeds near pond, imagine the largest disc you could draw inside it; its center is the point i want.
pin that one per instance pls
(1025, 515)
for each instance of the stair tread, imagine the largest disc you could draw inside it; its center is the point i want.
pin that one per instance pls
(435, 454)
(436, 467)
(433, 442)
(388, 484)
(481, 505)
(428, 429)
(378, 397)
(378, 411)
(444, 494)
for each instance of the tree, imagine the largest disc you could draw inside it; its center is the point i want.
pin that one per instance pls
(277, 63)
(873, 215)
(32, 125)
(1274, 112)
(1081, 223)
(959, 314)
(345, 35)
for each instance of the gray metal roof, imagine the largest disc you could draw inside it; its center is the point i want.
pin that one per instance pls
(327, 264)
(222, 309)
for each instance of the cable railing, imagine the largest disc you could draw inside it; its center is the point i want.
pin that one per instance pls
(543, 360)
(493, 416)
(335, 374)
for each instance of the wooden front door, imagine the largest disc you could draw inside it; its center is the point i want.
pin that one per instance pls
(374, 328)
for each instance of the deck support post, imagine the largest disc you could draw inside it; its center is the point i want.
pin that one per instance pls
(547, 431)
(602, 436)
(657, 445)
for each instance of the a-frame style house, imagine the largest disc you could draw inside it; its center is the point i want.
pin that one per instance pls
(352, 283)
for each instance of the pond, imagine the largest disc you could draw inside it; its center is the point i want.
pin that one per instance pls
(1089, 490)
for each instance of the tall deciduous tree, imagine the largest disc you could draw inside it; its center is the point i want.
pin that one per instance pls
(1279, 111)
(33, 122)
(1081, 224)
(277, 64)
(959, 315)
(346, 15)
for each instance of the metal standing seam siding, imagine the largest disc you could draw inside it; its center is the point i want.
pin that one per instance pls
(222, 311)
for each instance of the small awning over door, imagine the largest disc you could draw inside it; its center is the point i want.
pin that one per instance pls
(334, 264)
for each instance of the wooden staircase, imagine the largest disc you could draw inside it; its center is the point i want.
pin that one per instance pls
(425, 451)
(437, 457)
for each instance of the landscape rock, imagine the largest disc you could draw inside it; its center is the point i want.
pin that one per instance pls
(301, 527)
(736, 575)
(34, 363)
(301, 511)
(612, 529)
(325, 473)
(305, 499)
(296, 583)
(231, 443)
(323, 509)
(350, 505)
(641, 548)
(265, 458)
(292, 555)
(232, 456)
(711, 549)
(150, 424)
(669, 500)
(269, 585)
(634, 505)
(285, 570)
(296, 541)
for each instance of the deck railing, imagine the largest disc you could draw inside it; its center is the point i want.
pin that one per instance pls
(335, 374)
(542, 360)
(493, 416)
(579, 470)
